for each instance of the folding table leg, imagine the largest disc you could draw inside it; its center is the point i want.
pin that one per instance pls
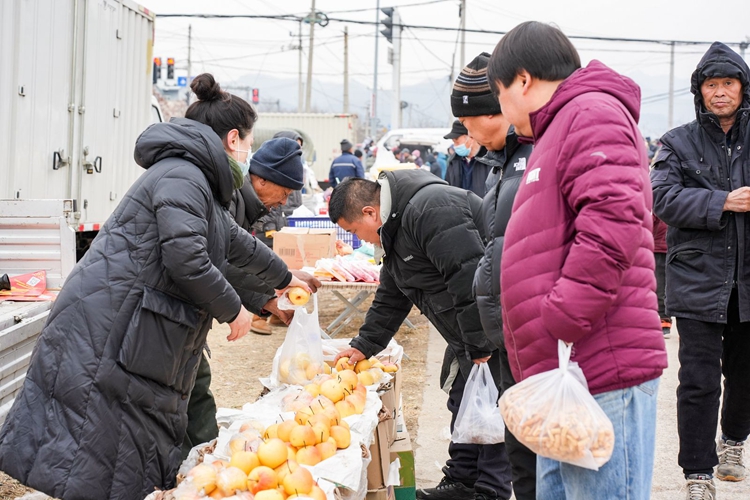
(350, 310)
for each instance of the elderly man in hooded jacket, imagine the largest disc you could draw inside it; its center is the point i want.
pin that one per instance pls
(700, 181)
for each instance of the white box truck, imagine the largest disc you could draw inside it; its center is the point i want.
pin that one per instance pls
(75, 93)
(325, 131)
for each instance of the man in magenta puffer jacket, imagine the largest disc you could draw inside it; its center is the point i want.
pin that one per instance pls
(578, 261)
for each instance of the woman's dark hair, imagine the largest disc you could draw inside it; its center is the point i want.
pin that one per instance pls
(541, 49)
(220, 110)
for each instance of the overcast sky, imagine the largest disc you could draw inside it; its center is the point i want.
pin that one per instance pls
(234, 48)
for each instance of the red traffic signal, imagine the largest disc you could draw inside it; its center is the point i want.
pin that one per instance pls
(256, 96)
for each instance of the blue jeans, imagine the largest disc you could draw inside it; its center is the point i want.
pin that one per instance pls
(627, 475)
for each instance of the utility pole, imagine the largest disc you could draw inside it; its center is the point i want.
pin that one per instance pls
(670, 112)
(308, 89)
(463, 34)
(374, 98)
(346, 69)
(300, 96)
(189, 60)
(396, 107)
(743, 46)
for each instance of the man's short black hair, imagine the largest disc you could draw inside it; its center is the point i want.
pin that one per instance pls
(541, 49)
(351, 196)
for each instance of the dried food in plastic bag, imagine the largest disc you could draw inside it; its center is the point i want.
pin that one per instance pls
(555, 416)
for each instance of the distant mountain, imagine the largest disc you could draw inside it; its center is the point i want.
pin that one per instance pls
(429, 104)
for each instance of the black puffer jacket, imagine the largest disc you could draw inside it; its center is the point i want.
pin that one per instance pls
(509, 166)
(246, 209)
(432, 242)
(102, 412)
(693, 173)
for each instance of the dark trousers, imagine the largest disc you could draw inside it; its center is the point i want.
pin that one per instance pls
(661, 281)
(522, 459)
(201, 412)
(484, 467)
(708, 351)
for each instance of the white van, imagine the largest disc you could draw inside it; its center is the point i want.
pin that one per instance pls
(423, 139)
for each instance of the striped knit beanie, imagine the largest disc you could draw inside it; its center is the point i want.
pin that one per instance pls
(471, 94)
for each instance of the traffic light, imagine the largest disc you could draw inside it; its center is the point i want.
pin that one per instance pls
(256, 96)
(388, 22)
(157, 69)
(170, 68)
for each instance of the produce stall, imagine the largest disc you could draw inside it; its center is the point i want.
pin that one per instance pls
(323, 431)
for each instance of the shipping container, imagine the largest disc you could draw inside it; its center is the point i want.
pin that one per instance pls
(75, 93)
(325, 130)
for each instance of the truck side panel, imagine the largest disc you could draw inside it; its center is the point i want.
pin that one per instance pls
(117, 98)
(34, 92)
(34, 235)
(76, 79)
(325, 129)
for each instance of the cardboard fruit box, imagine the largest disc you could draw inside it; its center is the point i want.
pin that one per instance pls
(302, 247)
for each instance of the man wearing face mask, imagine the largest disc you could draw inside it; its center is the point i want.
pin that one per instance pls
(464, 168)
(273, 172)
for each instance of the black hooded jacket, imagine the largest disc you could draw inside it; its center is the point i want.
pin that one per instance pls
(102, 412)
(432, 242)
(694, 171)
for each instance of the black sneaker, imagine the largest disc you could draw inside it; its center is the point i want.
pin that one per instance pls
(446, 490)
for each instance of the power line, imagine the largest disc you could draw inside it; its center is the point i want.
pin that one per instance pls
(368, 9)
(295, 18)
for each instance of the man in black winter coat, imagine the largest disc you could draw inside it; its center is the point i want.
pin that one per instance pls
(478, 110)
(700, 181)
(465, 169)
(418, 220)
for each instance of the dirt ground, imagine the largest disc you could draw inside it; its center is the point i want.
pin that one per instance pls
(237, 366)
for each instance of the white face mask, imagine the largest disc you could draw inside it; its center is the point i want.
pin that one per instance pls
(246, 164)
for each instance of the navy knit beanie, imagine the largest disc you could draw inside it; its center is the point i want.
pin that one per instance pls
(279, 161)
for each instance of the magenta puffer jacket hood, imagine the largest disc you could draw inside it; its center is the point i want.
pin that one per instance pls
(578, 260)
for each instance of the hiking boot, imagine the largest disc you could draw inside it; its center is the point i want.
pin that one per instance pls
(700, 487)
(446, 490)
(731, 466)
(666, 328)
(260, 326)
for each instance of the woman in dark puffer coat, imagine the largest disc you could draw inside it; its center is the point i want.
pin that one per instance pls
(102, 412)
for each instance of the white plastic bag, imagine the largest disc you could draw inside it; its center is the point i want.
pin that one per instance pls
(478, 421)
(555, 416)
(300, 357)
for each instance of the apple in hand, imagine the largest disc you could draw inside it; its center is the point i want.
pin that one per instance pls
(298, 296)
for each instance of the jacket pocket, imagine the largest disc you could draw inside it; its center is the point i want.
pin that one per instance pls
(697, 174)
(688, 250)
(157, 337)
(687, 260)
